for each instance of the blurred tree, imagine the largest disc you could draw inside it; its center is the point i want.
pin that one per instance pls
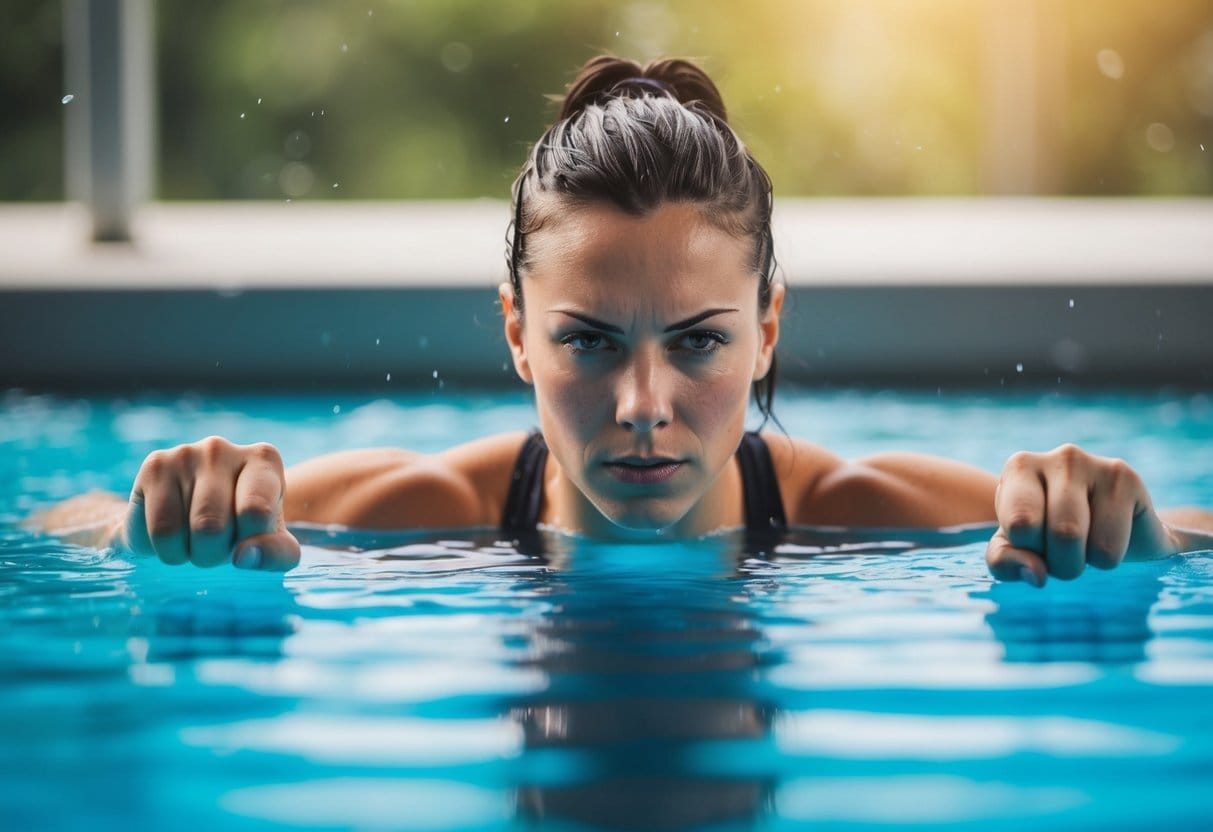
(398, 99)
(31, 95)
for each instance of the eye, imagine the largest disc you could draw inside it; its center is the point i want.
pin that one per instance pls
(702, 341)
(585, 341)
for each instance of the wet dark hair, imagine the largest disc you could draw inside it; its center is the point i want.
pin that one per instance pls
(638, 137)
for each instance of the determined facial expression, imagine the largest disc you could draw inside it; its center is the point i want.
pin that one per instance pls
(642, 337)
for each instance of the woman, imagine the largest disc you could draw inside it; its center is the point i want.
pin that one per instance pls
(642, 308)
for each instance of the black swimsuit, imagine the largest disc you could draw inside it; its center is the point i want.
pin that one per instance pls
(759, 486)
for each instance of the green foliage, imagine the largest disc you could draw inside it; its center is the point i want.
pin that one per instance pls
(397, 99)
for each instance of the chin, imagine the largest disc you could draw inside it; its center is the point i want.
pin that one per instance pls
(650, 516)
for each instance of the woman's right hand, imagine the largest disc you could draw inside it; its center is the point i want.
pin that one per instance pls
(210, 502)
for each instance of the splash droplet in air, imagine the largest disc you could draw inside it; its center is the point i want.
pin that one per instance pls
(67, 99)
(1071, 303)
(1019, 368)
(336, 409)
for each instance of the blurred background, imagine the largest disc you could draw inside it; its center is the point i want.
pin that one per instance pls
(328, 100)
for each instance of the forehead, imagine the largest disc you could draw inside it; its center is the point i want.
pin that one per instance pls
(671, 258)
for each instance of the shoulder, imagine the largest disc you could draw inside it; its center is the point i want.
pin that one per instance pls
(462, 486)
(892, 489)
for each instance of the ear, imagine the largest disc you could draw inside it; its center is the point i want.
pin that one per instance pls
(768, 332)
(512, 320)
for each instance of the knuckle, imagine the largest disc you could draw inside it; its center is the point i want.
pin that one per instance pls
(209, 523)
(1121, 476)
(1067, 530)
(265, 452)
(257, 507)
(1069, 455)
(211, 448)
(156, 463)
(1020, 461)
(1020, 520)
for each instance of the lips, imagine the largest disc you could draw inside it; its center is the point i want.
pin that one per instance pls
(642, 470)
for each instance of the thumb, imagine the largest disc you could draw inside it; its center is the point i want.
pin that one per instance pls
(1008, 563)
(274, 552)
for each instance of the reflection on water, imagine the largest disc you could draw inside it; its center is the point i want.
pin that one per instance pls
(404, 681)
(641, 668)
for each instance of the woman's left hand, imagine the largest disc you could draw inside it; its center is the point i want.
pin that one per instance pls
(1062, 510)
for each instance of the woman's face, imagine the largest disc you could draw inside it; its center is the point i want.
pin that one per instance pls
(642, 337)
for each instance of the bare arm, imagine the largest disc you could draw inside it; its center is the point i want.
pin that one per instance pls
(92, 519)
(1192, 526)
(899, 490)
(212, 501)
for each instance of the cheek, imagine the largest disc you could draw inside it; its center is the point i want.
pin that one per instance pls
(715, 406)
(568, 402)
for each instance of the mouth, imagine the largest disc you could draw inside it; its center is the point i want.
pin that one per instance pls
(642, 470)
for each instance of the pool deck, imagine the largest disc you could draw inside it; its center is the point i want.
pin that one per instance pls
(917, 292)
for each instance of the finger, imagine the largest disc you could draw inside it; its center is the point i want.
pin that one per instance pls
(212, 527)
(1020, 504)
(1068, 519)
(259, 491)
(167, 521)
(276, 552)
(134, 527)
(1112, 507)
(1009, 563)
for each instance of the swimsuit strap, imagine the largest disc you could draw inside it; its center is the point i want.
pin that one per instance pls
(525, 496)
(760, 486)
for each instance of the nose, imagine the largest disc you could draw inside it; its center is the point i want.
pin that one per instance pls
(643, 396)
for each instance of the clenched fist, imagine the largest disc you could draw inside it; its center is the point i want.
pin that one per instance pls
(210, 502)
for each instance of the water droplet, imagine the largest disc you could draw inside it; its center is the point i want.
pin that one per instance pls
(242, 115)
(336, 409)
(376, 342)
(336, 184)
(258, 100)
(1071, 303)
(1202, 148)
(1019, 368)
(435, 374)
(322, 112)
(388, 377)
(67, 99)
(370, 12)
(345, 47)
(616, 34)
(778, 88)
(507, 119)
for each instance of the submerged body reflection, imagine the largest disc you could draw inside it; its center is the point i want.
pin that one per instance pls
(648, 653)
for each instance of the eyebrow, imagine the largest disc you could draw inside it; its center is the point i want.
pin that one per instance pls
(686, 323)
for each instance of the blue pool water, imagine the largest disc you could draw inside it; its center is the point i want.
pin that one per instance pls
(439, 682)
